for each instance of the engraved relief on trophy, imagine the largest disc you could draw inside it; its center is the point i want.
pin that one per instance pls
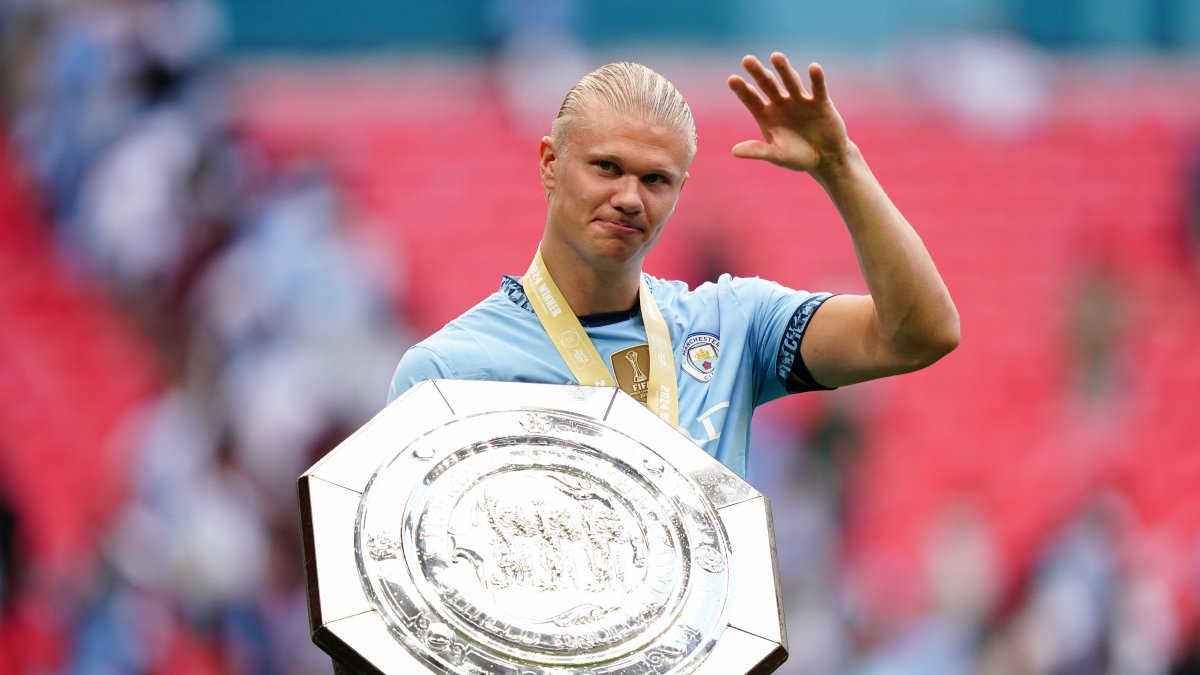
(536, 423)
(555, 556)
(382, 545)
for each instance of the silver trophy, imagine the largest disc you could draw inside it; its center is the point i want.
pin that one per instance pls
(530, 529)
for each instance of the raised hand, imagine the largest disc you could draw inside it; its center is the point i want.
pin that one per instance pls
(801, 131)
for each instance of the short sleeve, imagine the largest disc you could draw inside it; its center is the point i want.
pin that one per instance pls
(778, 317)
(790, 367)
(418, 363)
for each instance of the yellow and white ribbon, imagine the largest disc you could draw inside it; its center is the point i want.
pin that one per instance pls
(580, 355)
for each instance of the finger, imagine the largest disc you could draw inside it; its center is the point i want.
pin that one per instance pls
(764, 78)
(816, 75)
(746, 94)
(789, 76)
(752, 150)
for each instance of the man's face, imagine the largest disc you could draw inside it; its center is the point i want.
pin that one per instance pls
(612, 188)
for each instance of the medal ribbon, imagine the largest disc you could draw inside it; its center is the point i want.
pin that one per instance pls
(580, 355)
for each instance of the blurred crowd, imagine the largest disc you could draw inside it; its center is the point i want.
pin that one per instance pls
(1091, 603)
(276, 330)
(275, 333)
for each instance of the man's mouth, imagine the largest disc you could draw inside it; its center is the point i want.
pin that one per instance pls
(619, 225)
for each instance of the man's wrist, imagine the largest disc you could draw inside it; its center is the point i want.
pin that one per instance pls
(836, 168)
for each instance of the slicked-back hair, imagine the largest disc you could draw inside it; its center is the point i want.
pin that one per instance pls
(630, 89)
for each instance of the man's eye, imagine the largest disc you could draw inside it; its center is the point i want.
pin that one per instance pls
(655, 178)
(607, 167)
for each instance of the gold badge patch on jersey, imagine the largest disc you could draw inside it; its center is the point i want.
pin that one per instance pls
(632, 368)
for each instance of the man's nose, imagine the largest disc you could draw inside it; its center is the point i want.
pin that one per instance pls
(627, 197)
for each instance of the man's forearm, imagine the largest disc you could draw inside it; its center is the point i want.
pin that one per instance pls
(915, 315)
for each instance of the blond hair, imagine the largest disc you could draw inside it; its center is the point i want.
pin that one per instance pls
(627, 88)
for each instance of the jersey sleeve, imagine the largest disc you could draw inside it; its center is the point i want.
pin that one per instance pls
(418, 363)
(778, 317)
(789, 364)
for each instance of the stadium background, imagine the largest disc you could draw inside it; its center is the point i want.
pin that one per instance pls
(221, 223)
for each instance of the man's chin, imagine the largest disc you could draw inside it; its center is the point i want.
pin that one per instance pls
(619, 257)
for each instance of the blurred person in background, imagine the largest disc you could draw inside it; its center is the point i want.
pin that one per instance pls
(267, 317)
(534, 56)
(613, 168)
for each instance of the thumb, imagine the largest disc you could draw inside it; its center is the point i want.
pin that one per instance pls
(752, 150)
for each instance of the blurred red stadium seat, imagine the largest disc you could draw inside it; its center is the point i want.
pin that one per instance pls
(72, 372)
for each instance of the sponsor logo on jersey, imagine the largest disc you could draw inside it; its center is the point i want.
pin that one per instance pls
(700, 352)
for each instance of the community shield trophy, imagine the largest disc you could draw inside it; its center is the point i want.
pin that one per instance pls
(529, 529)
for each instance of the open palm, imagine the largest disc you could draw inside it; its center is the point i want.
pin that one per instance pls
(801, 130)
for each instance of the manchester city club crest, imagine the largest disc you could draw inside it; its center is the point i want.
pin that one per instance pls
(700, 355)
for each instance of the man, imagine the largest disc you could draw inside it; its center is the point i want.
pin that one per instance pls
(613, 168)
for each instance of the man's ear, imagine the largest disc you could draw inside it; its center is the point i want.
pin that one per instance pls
(549, 153)
(684, 181)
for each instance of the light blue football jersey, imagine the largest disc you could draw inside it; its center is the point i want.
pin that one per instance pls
(736, 345)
